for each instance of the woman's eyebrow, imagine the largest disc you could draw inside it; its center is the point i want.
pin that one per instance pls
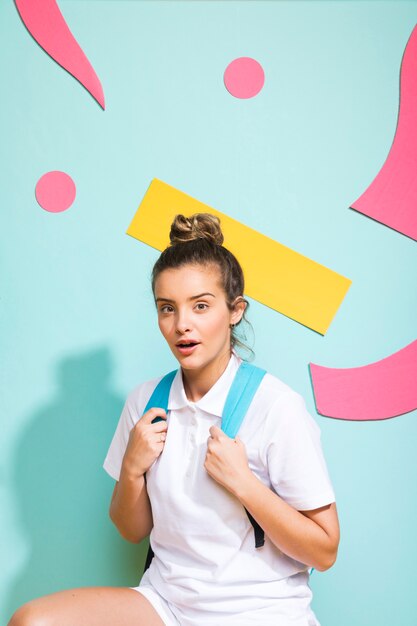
(200, 295)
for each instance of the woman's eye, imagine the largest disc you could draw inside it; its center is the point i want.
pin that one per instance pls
(167, 308)
(201, 306)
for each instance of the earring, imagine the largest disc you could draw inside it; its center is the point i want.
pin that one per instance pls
(232, 325)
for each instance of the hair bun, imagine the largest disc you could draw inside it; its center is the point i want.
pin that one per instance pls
(197, 226)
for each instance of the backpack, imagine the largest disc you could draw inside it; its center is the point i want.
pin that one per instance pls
(245, 383)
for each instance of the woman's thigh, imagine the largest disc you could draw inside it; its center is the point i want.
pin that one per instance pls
(88, 606)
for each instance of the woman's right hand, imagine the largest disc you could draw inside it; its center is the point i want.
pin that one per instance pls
(146, 442)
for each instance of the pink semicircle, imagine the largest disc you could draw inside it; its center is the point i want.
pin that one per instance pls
(377, 391)
(55, 191)
(46, 24)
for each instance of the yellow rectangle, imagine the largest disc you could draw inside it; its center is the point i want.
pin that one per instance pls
(275, 275)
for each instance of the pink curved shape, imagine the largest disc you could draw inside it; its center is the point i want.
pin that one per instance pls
(377, 391)
(392, 196)
(46, 24)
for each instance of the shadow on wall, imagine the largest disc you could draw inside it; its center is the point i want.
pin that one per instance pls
(64, 493)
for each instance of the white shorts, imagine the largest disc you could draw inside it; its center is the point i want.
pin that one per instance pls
(172, 615)
(164, 610)
(161, 606)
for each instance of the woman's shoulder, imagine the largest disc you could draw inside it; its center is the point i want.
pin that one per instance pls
(139, 395)
(279, 398)
(285, 406)
(273, 383)
(274, 388)
(271, 388)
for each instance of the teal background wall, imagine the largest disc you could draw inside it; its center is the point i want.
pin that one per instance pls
(77, 324)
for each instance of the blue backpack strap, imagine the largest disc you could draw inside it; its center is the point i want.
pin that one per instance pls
(160, 395)
(245, 384)
(159, 398)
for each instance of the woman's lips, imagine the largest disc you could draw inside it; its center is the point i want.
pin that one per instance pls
(186, 351)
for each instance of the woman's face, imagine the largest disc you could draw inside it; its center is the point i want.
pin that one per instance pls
(193, 315)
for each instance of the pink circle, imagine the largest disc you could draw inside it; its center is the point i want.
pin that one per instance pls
(244, 77)
(55, 191)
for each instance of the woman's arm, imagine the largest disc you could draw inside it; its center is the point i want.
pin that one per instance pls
(130, 508)
(311, 537)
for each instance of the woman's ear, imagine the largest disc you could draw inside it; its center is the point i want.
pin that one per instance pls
(238, 309)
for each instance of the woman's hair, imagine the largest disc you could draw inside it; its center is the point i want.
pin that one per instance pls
(197, 240)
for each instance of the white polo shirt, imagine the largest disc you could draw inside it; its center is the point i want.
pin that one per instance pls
(206, 564)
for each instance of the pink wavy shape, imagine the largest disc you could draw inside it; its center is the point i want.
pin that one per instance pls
(392, 196)
(383, 389)
(46, 24)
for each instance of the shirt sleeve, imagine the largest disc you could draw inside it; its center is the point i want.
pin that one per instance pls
(293, 454)
(132, 411)
(113, 461)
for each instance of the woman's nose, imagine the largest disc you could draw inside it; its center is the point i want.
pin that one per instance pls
(183, 324)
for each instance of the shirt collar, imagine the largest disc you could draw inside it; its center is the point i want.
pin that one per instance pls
(213, 401)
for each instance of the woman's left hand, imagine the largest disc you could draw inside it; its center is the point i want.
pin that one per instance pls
(226, 459)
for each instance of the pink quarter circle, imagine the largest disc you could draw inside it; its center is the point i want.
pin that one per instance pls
(244, 77)
(55, 191)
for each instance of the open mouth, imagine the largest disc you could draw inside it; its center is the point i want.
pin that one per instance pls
(186, 347)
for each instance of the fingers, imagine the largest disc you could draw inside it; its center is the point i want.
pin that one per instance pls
(216, 434)
(151, 415)
(215, 431)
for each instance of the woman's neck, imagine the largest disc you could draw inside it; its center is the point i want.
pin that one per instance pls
(197, 382)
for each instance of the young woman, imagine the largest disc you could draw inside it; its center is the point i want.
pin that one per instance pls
(187, 484)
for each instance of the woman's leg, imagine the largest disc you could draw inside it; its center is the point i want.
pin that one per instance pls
(88, 606)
